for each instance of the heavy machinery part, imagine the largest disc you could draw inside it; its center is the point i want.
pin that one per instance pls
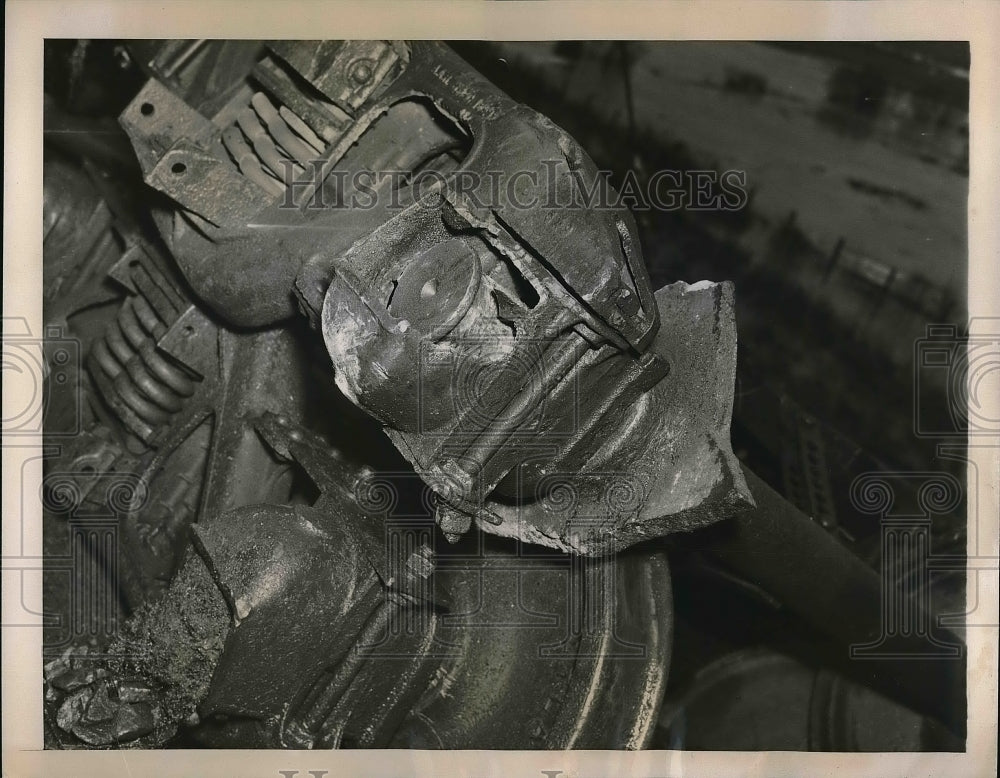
(506, 336)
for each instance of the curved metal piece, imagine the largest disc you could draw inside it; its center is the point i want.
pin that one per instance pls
(770, 546)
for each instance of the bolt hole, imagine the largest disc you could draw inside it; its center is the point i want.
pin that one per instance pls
(177, 168)
(429, 289)
(146, 109)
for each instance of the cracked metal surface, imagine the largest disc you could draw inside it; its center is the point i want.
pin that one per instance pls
(593, 415)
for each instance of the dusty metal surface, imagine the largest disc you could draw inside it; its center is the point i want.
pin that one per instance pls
(506, 336)
(387, 460)
(284, 580)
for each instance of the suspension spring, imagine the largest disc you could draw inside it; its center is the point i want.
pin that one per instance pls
(138, 381)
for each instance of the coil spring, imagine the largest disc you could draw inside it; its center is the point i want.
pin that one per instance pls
(141, 378)
(265, 139)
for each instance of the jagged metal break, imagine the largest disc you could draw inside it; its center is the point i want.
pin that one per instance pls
(500, 323)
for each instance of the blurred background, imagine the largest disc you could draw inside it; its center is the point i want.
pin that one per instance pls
(850, 261)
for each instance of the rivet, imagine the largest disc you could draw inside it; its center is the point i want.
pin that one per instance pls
(361, 71)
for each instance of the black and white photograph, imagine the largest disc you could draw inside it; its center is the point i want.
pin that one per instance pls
(495, 395)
